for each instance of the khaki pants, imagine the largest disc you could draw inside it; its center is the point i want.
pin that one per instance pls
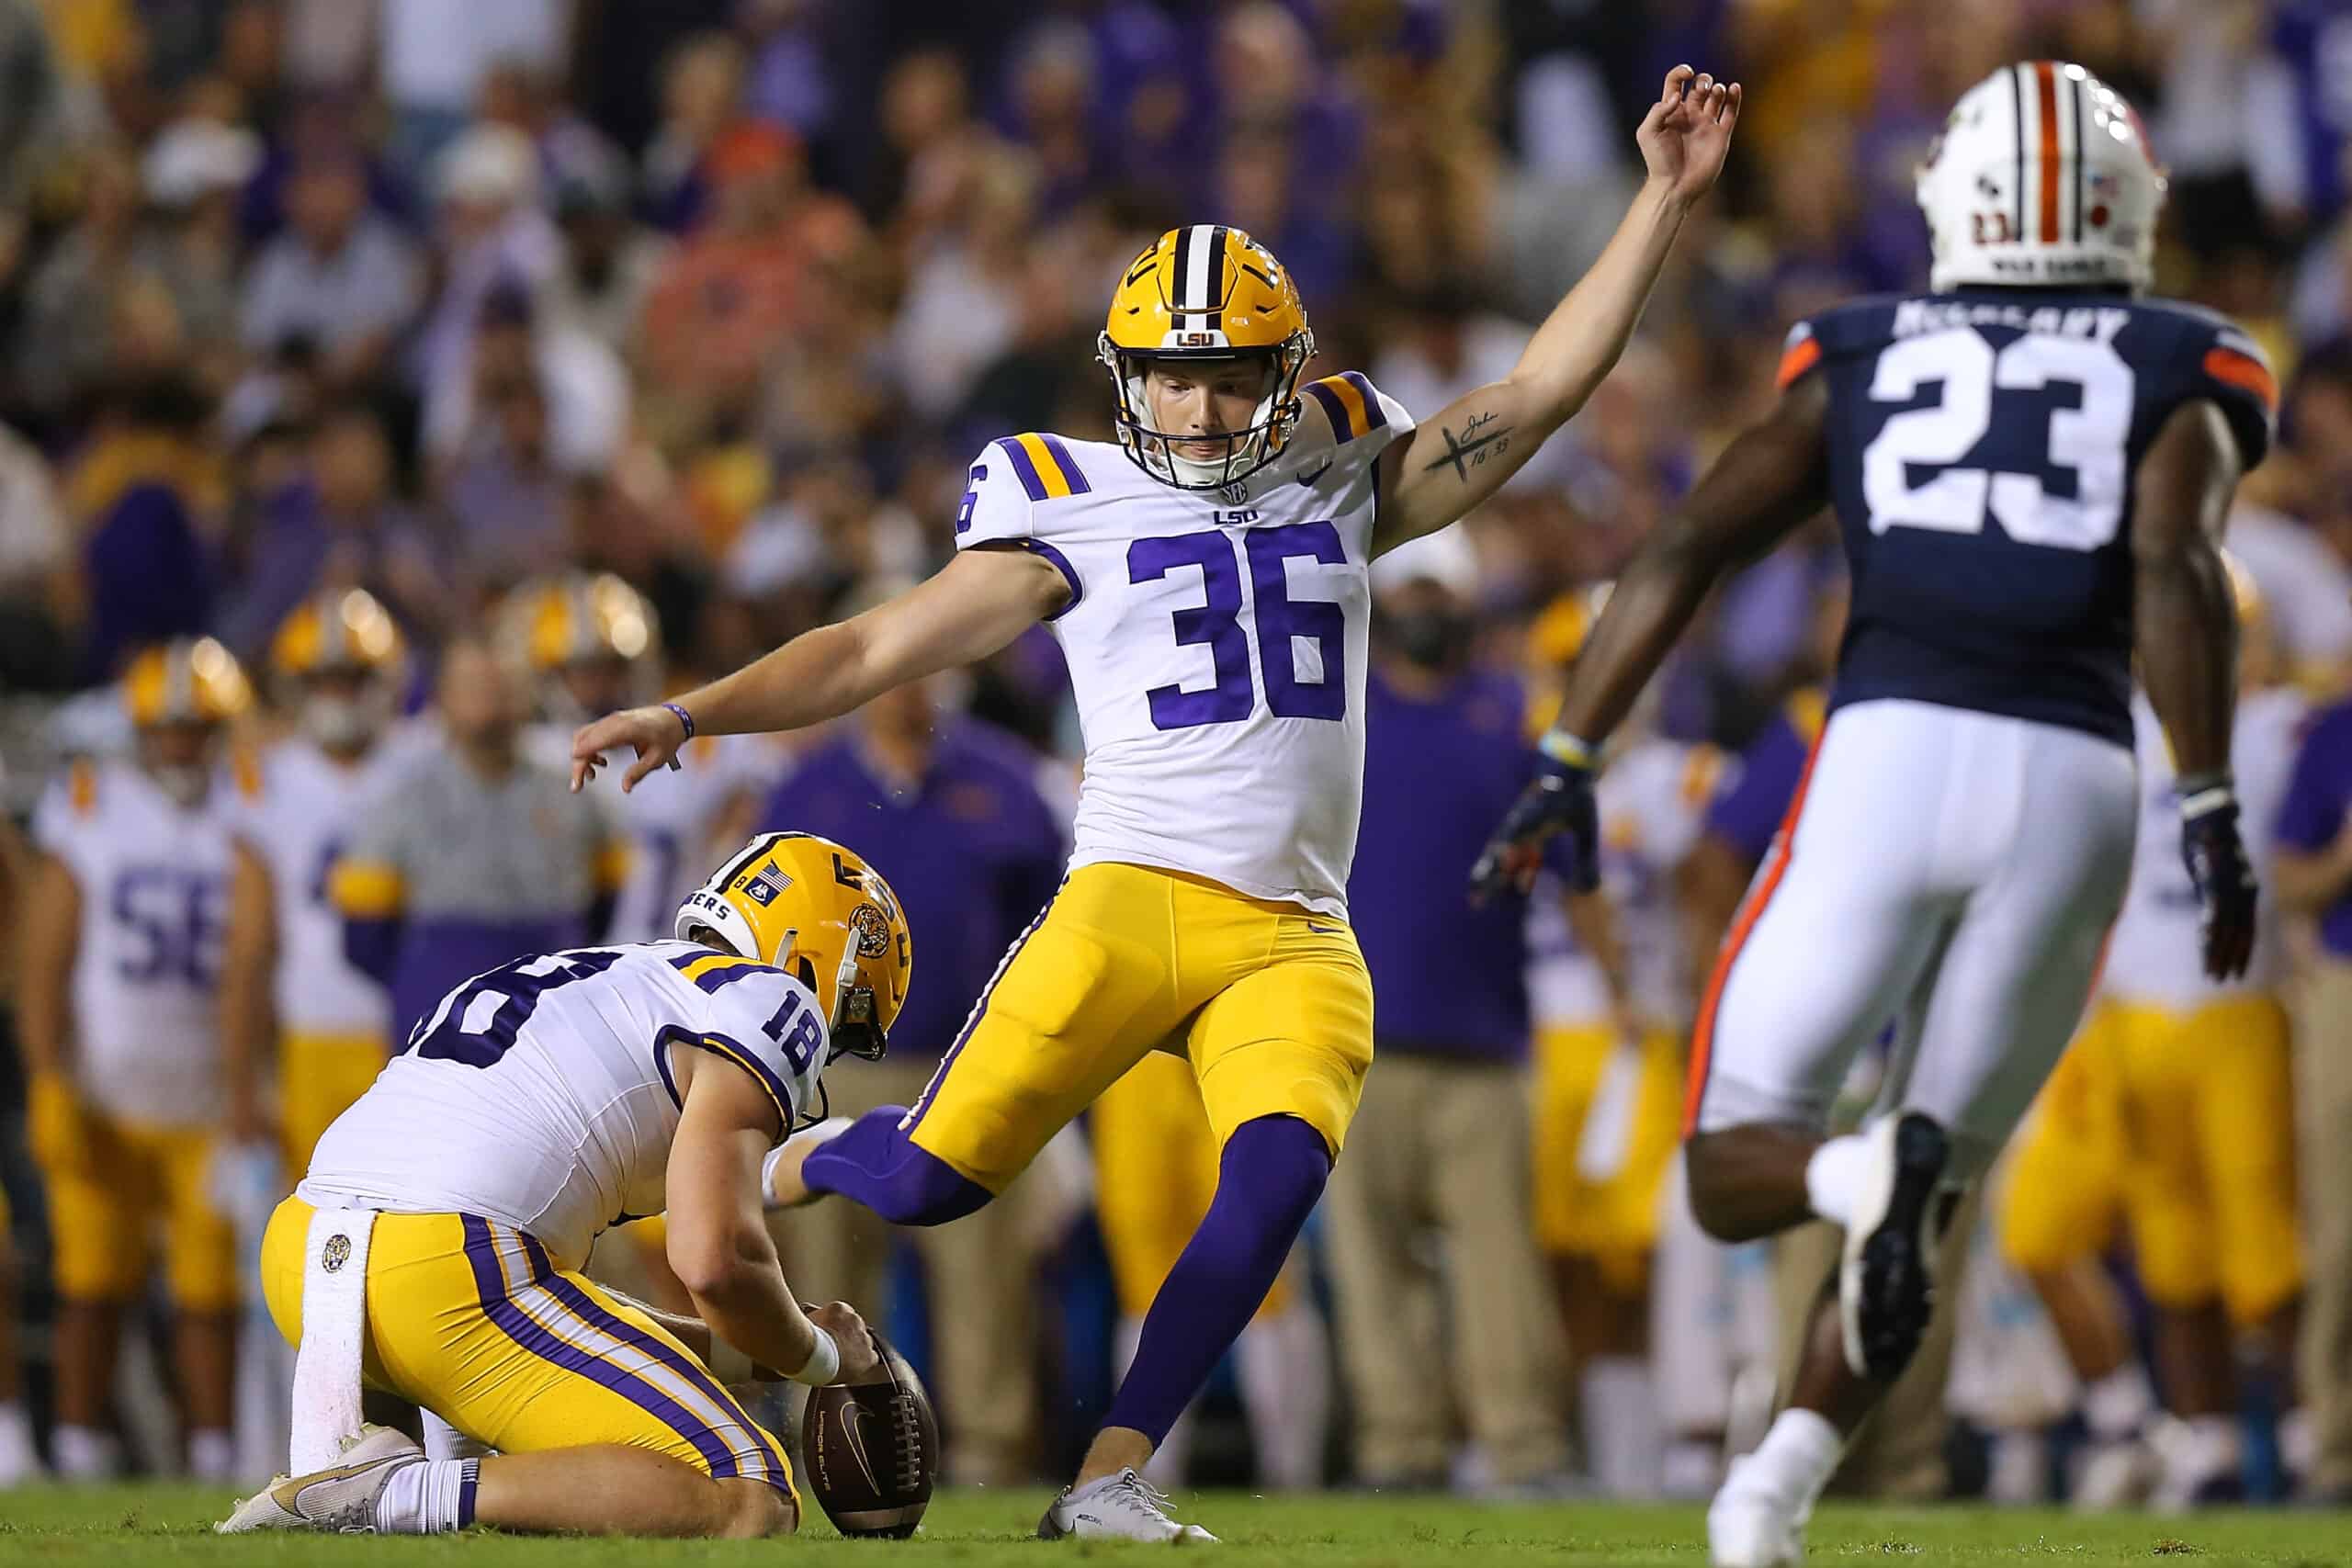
(1438, 1152)
(980, 1277)
(2323, 1130)
(1898, 1453)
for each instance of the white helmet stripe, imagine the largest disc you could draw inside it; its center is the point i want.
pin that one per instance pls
(1200, 268)
(2016, 99)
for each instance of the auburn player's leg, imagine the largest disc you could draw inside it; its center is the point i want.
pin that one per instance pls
(1976, 1041)
(1081, 995)
(603, 1420)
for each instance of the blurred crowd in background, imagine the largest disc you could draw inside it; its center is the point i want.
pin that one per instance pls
(605, 344)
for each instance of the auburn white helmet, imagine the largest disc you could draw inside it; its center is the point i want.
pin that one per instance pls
(2042, 177)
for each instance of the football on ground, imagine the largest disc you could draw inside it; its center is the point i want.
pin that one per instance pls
(52, 1526)
(870, 1453)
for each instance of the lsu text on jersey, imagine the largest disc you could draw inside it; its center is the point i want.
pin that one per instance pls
(528, 1112)
(1217, 641)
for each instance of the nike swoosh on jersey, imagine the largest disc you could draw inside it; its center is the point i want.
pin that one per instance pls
(1308, 479)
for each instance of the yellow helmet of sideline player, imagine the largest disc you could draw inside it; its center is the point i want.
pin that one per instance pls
(338, 656)
(811, 906)
(1205, 293)
(187, 681)
(591, 642)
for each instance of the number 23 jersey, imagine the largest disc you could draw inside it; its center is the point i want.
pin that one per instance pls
(543, 1093)
(1983, 450)
(1215, 642)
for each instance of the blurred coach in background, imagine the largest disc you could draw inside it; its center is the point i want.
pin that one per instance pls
(1446, 1109)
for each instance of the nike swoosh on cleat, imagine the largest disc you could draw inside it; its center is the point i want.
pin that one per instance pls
(1309, 479)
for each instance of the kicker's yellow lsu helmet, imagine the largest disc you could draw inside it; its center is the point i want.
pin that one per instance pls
(1205, 293)
(810, 906)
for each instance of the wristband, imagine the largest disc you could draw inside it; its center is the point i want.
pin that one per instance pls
(683, 717)
(2203, 794)
(824, 1363)
(1567, 749)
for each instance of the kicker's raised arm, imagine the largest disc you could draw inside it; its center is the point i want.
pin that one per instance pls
(1461, 455)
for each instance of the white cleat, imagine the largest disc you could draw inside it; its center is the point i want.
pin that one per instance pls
(2118, 1473)
(337, 1501)
(780, 1174)
(1886, 1284)
(1753, 1523)
(1116, 1507)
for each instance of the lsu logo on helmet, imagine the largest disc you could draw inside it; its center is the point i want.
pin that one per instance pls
(1206, 293)
(813, 907)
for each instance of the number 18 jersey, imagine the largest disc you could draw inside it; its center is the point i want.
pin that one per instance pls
(1983, 447)
(1215, 642)
(542, 1093)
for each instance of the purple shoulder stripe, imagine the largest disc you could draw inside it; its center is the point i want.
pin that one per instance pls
(1372, 416)
(1078, 485)
(1341, 431)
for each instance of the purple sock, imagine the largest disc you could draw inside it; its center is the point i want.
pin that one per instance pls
(874, 1164)
(1271, 1174)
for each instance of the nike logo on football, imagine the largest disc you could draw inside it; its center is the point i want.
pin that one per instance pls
(1310, 478)
(853, 1433)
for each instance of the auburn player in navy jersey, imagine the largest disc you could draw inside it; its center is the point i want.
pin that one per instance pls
(2031, 467)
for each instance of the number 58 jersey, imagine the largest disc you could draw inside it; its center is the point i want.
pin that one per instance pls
(1217, 642)
(1983, 449)
(544, 1093)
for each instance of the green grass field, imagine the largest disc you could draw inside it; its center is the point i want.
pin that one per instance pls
(132, 1526)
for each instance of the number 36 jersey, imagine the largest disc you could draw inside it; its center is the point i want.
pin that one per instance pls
(543, 1092)
(1983, 446)
(1215, 642)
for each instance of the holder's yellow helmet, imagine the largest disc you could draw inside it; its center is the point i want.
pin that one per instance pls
(187, 681)
(1205, 293)
(349, 630)
(810, 905)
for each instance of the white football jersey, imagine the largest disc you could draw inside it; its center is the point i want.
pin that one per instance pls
(1215, 642)
(1652, 802)
(153, 879)
(541, 1093)
(309, 809)
(2155, 954)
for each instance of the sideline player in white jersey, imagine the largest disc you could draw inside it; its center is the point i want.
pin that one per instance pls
(1206, 576)
(337, 660)
(540, 1103)
(2031, 467)
(120, 1017)
(2181, 1084)
(592, 644)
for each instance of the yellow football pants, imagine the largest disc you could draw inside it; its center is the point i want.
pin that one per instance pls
(319, 1075)
(105, 1204)
(470, 1319)
(1613, 1220)
(2184, 1121)
(1273, 1004)
(1154, 1174)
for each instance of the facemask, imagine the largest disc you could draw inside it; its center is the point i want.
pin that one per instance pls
(339, 722)
(185, 782)
(1430, 638)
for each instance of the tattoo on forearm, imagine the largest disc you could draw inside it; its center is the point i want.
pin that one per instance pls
(1479, 440)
